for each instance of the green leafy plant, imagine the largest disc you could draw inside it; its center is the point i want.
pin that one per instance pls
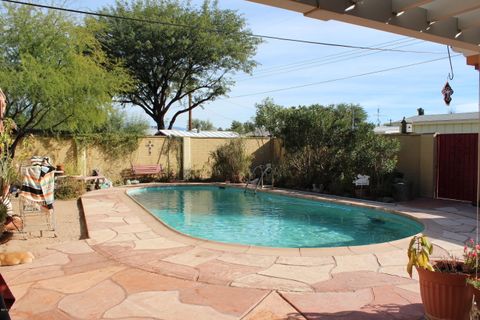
(69, 188)
(231, 161)
(42, 44)
(328, 145)
(419, 251)
(119, 135)
(197, 175)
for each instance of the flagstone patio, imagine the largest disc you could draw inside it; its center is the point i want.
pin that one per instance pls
(133, 267)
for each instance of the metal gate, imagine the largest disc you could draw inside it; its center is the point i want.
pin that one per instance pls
(457, 159)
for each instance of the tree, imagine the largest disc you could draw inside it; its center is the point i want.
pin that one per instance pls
(204, 125)
(192, 54)
(118, 136)
(327, 145)
(236, 126)
(242, 128)
(54, 73)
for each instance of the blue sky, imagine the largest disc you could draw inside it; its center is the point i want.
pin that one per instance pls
(396, 93)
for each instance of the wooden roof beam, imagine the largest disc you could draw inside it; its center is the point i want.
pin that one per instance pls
(298, 6)
(442, 10)
(404, 5)
(474, 61)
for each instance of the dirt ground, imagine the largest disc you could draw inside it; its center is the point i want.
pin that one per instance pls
(69, 226)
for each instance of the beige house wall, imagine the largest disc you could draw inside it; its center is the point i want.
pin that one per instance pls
(416, 160)
(446, 127)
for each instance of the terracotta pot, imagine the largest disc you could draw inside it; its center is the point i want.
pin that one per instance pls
(445, 296)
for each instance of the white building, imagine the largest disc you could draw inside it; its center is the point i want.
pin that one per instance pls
(467, 122)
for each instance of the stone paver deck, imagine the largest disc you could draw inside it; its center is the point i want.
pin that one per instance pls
(133, 267)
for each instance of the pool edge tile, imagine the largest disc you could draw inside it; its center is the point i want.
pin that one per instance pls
(295, 252)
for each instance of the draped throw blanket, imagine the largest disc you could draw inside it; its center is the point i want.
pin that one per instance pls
(38, 184)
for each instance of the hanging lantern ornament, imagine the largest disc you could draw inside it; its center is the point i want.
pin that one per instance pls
(447, 92)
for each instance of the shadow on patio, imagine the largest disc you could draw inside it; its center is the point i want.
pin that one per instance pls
(376, 312)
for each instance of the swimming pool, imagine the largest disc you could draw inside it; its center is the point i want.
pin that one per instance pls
(229, 215)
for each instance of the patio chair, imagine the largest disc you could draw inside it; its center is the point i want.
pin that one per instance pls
(37, 195)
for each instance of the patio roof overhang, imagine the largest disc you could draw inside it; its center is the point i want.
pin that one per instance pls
(451, 22)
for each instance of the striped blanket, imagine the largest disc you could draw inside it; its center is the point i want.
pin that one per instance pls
(39, 184)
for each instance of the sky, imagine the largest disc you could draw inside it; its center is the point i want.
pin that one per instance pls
(385, 96)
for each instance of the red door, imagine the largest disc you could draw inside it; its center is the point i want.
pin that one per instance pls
(457, 158)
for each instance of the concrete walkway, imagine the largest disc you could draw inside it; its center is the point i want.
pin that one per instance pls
(133, 267)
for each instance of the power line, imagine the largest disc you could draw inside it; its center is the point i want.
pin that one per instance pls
(241, 105)
(339, 79)
(319, 63)
(179, 25)
(326, 57)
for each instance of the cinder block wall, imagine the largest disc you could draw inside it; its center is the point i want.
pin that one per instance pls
(262, 150)
(169, 152)
(59, 150)
(151, 150)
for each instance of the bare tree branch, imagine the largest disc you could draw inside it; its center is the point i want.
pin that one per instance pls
(194, 105)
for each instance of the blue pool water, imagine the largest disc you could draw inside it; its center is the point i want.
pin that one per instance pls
(229, 215)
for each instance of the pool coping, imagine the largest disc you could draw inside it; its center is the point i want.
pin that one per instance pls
(282, 251)
(122, 230)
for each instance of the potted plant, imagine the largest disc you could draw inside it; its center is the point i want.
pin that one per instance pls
(470, 256)
(443, 286)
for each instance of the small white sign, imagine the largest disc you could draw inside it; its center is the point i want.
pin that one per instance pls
(362, 180)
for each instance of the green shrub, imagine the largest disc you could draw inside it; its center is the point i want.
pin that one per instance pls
(328, 146)
(231, 161)
(69, 188)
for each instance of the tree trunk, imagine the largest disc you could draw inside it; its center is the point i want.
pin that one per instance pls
(15, 143)
(160, 123)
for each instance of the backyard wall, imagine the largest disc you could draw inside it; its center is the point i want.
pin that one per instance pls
(416, 160)
(262, 150)
(190, 157)
(179, 157)
(151, 150)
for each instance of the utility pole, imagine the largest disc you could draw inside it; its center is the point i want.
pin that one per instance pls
(189, 112)
(353, 118)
